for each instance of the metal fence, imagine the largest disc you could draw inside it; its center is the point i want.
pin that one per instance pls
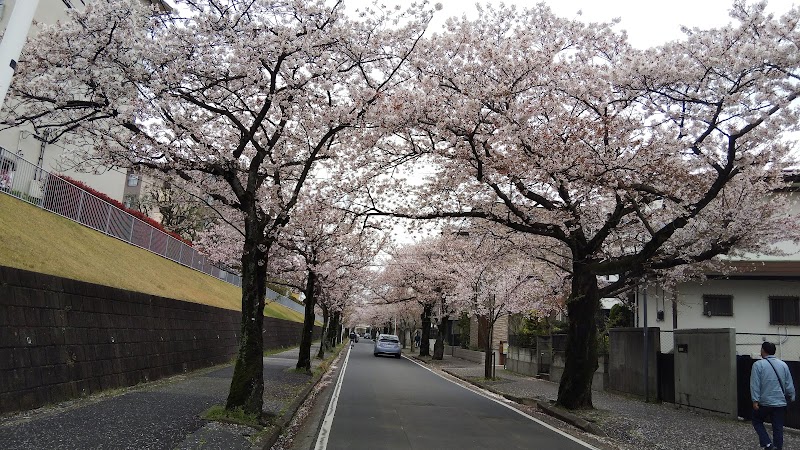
(289, 303)
(667, 339)
(29, 182)
(522, 340)
(556, 342)
(787, 345)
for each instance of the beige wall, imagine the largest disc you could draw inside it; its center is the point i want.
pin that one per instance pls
(473, 331)
(499, 333)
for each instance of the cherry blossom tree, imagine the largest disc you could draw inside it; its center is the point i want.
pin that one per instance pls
(493, 276)
(415, 274)
(333, 247)
(636, 162)
(248, 96)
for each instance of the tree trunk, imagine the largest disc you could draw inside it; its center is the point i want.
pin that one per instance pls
(325, 325)
(332, 331)
(338, 336)
(575, 390)
(487, 359)
(438, 347)
(425, 340)
(247, 385)
(304, 356)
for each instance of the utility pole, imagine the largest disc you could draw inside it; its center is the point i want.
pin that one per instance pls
(14, 38)
(646, 353)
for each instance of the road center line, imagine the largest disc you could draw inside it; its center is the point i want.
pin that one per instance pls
(478, 391)
(325, 430)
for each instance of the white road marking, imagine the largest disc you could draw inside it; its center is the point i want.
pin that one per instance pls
(325, 430)
(482, 394)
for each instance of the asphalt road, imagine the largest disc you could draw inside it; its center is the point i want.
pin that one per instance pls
(390, 403)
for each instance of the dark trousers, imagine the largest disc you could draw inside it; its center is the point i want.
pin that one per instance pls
(778, 414)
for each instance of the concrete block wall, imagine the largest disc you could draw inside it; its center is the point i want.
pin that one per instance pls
(525, 361)
(62, 339)
(705, 369)
(522, 360)
(626, 360)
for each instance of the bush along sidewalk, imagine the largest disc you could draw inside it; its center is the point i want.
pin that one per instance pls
(242, 431)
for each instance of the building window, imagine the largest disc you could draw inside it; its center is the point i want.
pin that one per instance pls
(718, 305)
(131, 201)
(784, 311)
(133, 179)
(7, 168)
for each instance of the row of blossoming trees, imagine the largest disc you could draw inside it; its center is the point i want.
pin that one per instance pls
(486, 272)
(628, 162)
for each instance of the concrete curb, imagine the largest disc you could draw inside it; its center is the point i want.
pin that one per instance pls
(568, 417)
(541, 404)
(283, 421)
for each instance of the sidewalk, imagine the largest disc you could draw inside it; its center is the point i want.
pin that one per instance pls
(161, 415)
(631, 422)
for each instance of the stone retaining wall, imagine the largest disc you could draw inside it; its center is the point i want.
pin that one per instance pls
(62, 339)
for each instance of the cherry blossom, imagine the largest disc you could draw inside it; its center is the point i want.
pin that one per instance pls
(636, 162)
(243, 98)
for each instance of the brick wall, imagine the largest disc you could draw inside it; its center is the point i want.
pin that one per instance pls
(62, 339)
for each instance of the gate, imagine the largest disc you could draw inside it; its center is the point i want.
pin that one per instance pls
(544, 351)
(744, 364)
(665, 366)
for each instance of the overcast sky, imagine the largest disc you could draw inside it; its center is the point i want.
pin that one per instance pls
(648, 23)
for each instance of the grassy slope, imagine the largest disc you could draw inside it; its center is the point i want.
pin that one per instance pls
(39, 241)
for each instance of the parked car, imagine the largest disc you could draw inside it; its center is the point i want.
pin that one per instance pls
(387, 344)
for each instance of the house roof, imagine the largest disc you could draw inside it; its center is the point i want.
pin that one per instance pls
(162, 4)
(760, 270)
(792, 180)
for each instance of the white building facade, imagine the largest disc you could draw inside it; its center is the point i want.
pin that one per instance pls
(25, 143)
(759, 298)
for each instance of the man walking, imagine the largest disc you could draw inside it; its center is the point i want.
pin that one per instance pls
(771, 386)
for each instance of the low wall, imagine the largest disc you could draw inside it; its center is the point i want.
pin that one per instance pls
(523, 360)
(626, 360)
(705, 369)
(599, 379)
(62, 339)
(471, 355)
